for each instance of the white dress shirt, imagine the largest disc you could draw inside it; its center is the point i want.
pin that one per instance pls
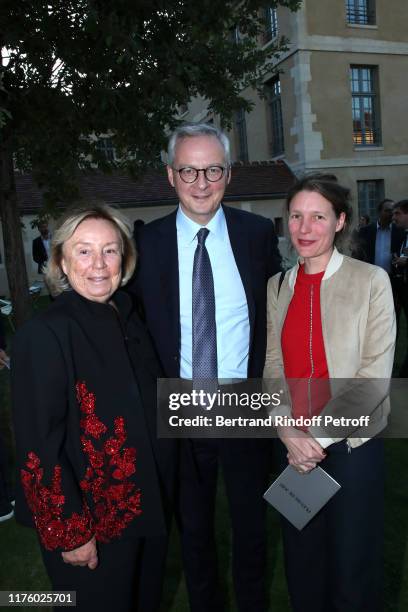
(231, 309)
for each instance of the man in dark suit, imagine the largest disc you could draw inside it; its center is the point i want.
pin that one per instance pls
(239, 253)
(400, 264)
(378, 241)
(41, 246)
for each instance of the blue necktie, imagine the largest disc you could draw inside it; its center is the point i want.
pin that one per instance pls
(204, 328)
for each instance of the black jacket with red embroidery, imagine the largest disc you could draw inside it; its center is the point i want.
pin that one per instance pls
(87, 456)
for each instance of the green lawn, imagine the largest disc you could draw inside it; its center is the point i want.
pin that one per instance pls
(21, 568)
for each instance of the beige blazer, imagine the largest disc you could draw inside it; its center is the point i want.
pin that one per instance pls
(358, 323)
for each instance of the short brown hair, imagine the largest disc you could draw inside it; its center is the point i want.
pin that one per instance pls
(55, 277)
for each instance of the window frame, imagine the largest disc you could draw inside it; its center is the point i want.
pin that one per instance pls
(361, 12)
(271, 30)
(106, 148)
(241, 137)
(365, 100)
(367, 203)
(275, 116)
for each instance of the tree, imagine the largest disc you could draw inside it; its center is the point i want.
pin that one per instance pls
(74, 68)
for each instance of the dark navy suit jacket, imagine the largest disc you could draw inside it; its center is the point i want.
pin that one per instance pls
(367, 237)
(255, 247)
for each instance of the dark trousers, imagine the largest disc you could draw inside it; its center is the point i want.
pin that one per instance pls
(335, 563)
(128, 578)
(245, 467)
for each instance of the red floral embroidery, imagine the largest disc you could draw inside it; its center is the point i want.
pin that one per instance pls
(47, 505)
(117, 501)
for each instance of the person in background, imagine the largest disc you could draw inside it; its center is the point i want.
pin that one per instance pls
(363, 221)
(92, 478)
(356, 244)
(400, 265)
(379, 240)
(42, 246)
(332, 318)
(6, 496)
(137, 227)
(202, 283)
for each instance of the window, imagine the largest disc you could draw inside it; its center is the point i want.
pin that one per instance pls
(271, 24)
(273, 92)
(365, 108)
(241, 135)
(370, 193)
(235, 35)
(105, 146)
(361, 12)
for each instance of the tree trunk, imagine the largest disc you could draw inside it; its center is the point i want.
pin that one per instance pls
(12, 236)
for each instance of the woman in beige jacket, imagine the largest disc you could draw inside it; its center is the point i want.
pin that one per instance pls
(331, 333)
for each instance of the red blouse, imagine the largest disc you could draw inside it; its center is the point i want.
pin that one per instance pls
(304, 356)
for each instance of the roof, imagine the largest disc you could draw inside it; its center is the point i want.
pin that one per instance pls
(251, 181)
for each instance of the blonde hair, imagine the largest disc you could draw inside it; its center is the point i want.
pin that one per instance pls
(55, 277)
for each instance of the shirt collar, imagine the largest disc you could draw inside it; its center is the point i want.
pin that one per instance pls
(383, 229)
(187, 229)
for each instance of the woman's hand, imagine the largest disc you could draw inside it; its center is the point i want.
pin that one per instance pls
(304, 452)
(85, 555)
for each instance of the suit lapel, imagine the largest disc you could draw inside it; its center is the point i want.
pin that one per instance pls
(167, 255)
(397, 239)
(239, 238)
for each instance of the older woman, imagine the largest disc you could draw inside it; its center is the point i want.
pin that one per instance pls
(93, 477)
(332, 317)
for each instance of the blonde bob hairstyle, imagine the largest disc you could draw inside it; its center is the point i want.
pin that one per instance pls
(55, 277)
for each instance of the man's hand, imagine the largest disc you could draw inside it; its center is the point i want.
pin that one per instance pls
(85, 555)
(304, 453)
(4, 359)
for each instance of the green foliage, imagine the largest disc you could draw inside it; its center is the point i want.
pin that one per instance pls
(73, 68)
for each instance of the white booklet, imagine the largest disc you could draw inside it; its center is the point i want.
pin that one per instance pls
(300, 496)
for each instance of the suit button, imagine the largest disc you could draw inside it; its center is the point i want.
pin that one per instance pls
(175, 358)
